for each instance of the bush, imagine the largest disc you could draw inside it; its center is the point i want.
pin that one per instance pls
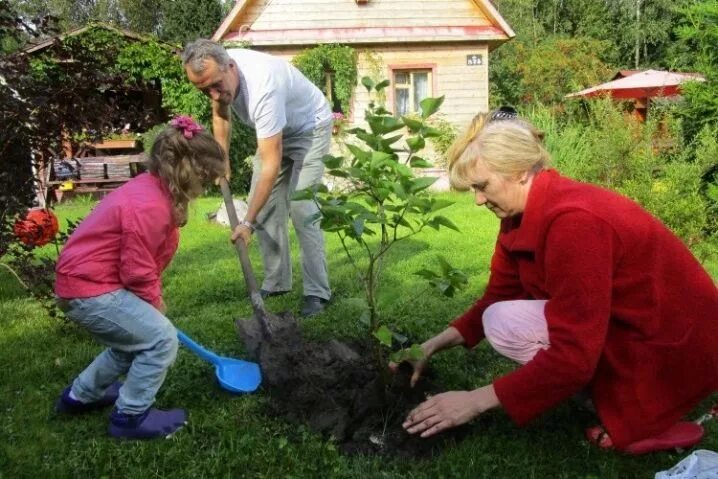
(644, 161)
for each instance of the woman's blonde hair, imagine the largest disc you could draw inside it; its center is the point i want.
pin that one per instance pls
(508, 147)
(186, 166)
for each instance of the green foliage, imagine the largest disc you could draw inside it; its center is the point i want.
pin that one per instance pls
(645, 161)
(558, 66)
(340, 61)
(442, 135)
(448, 280)
(382, 202)
(145, 64)
(187, 20)
(697, 35)
(547, 69)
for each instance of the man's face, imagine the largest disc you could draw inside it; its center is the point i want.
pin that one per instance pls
(220, 86)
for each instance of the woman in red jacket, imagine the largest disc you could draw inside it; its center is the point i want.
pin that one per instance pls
(588, 292)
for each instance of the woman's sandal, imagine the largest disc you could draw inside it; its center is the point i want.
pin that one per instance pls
(680, 435)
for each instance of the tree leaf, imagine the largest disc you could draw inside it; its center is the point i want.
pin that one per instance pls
(438, 204)
(426, 273)
(333, 161)
(358, 227)
(381, 85)
(444, 221)
(431, 132)
(381, 125)
(383, 335)
(415, 143)
(422, 183)
(430, 105)
(419, 162)
(412, 124)
(302, 195)
(368, 83)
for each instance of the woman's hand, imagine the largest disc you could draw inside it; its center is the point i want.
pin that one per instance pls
(448, 338)
(449, 409)
(418, 365)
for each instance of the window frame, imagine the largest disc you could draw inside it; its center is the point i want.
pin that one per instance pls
(410, 68)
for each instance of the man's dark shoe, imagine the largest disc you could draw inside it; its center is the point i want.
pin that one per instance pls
(151, 424)
(65, 404)
(266, 294)
(313, 305)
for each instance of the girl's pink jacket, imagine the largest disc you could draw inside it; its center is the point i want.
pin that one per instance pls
(125, 242)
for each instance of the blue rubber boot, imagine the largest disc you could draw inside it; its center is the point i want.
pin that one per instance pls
(151, 424)
(66, 405)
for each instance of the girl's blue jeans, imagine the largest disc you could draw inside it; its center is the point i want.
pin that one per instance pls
(141, 344)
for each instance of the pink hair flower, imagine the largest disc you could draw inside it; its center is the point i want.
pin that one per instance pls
(186, 125)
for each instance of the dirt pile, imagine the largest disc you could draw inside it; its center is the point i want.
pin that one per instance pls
(335, 389)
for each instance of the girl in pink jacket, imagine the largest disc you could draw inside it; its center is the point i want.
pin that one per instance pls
(109, 281)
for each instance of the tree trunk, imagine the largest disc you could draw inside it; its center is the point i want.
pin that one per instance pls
(638, 33)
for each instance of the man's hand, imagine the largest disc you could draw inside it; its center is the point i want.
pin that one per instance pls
(242, 233)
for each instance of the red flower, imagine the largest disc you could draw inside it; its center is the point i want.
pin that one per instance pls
(38, 228)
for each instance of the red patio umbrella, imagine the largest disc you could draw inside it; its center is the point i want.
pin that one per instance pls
(642, 85)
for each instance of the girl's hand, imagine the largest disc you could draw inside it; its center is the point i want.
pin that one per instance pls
(162, 307)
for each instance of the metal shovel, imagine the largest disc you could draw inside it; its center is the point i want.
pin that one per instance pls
(234, 375)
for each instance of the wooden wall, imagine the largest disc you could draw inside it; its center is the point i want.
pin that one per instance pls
(317, 14)
(466, 87)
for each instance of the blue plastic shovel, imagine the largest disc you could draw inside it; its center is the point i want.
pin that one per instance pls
(233, 375)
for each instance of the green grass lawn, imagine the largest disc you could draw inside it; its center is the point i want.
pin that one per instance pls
(230, 436)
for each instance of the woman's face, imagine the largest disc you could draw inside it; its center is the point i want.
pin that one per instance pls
(505, 197)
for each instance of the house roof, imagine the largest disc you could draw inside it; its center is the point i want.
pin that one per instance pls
(233, 29)
(645, 84)
(34, 47)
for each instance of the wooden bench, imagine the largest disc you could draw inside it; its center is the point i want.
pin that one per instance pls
(97, 174)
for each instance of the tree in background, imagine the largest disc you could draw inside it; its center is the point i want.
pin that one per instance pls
(174, 21)
(39, 101)
(696, 50)
(186, 20)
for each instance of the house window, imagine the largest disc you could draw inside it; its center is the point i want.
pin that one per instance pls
(410, 87)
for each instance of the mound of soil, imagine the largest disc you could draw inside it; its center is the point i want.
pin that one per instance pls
(336, 389)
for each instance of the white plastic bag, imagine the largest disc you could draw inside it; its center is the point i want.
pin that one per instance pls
(222, 217)
(701, 464)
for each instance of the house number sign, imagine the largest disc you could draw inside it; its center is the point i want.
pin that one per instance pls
(474, 60)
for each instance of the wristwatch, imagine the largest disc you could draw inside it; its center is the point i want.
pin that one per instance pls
(248, 224)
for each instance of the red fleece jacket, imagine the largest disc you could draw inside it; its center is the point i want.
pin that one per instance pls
(125, 242)
(630, 311)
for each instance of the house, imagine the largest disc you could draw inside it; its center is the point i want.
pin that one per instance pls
(425, 48)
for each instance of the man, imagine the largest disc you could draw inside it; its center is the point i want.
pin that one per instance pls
(293, 123)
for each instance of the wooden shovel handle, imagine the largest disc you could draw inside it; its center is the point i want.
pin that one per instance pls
(254, 296)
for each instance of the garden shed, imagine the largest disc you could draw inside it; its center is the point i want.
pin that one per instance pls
(425, 48)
